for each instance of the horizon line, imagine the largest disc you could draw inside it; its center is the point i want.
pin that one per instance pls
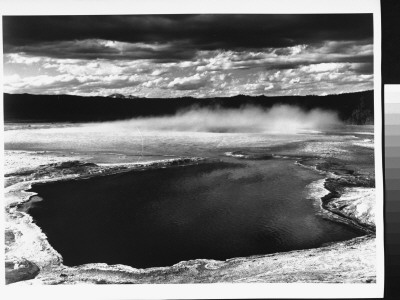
(140, 97)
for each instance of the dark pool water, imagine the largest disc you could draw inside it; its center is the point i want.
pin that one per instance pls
(159, 217)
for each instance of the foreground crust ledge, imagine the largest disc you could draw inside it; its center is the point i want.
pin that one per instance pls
(350, 261)
(30, 259)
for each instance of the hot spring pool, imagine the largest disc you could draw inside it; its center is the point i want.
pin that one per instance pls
(158, 217)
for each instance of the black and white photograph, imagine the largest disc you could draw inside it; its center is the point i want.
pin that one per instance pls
(192, 148)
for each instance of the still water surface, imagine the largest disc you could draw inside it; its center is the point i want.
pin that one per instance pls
(160, 217)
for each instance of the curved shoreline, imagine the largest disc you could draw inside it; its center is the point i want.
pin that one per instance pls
(335, 194)
(27, 248)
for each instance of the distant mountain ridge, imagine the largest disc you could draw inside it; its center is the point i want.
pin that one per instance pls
(121, 96)
(353, 108)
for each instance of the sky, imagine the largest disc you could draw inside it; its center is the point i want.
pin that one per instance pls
(188, 55)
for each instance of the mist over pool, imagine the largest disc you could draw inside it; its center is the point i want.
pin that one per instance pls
(282, 119)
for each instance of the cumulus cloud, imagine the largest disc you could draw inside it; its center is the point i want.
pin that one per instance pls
(188, 55)
(222, 74)
(188, 83)
(284, 58)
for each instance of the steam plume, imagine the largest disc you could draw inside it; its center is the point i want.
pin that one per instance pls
(251, 119)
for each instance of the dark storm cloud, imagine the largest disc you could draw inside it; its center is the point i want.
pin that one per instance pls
(366, 62)
(364, 68)
(184, 34)
(93, 49)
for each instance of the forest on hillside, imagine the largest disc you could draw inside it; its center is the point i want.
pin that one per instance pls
(352, 108)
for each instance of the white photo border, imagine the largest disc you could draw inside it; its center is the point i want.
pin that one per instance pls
(217, 290)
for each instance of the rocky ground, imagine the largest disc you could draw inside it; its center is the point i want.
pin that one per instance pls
(30, 259)
(351, 193)
(338, 263)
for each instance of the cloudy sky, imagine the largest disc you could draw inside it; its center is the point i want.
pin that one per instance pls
(188, 55)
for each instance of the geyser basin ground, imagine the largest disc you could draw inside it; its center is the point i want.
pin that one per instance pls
(348, 152)
(159, 217)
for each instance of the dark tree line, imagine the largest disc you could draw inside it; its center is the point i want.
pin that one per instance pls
(353, 108)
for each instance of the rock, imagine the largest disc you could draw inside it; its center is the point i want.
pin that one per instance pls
(9, 237)
(20, 270)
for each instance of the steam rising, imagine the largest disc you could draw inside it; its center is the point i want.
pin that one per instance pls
(250, 119)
